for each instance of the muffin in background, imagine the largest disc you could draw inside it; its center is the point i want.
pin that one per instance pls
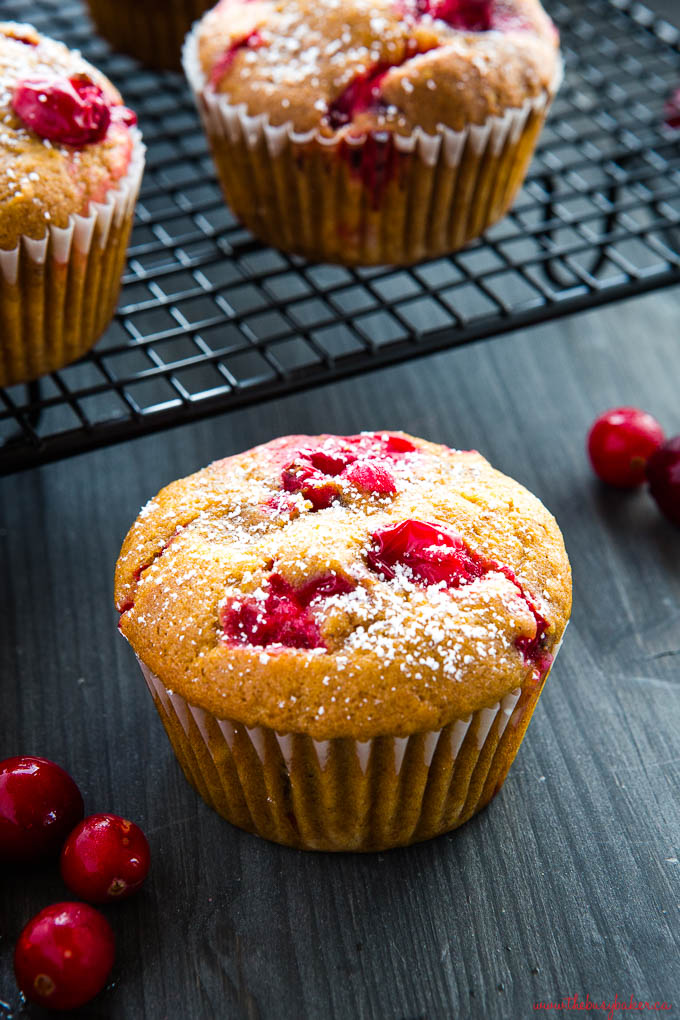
(345, 636)
(152, 31)
(71, 162)
(379, 132)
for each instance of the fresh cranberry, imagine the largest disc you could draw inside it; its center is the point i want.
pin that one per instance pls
(663, 475)
(39, 805)
(430, 554)
(672, 110)
(105, 858)
(620, 443)
(68, 111)
(370, 477)
(64, 956)
(282, 617)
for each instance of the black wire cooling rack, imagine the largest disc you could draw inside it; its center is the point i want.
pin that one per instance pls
(209, 319)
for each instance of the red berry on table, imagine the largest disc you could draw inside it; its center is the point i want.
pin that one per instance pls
(39, 805)
(105, 858)
(672, 110)
(64, 956)
(663, 475)
(620, 443)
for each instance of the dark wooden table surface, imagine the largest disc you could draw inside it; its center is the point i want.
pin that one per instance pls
(567, 885)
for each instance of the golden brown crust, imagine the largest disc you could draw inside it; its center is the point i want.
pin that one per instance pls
(400, 657)
(41, 183)
(308, 53)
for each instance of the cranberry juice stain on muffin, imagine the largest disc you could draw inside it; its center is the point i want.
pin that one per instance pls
(71, 162)
(372, 131)
(345, 637)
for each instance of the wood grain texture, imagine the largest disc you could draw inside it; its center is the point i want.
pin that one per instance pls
(567, 884)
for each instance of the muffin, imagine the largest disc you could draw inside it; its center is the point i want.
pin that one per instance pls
(372, 131)
(152, 31)
(71, 162)
(345, 637)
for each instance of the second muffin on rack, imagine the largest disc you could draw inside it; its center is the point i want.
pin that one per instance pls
(71, 163)
(372, 131)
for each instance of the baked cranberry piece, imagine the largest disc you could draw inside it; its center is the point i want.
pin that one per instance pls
(396, 445)
(429, 552)
(362, 93)
(281, 504)
(312, 468)
(469, 15)
(251, 41)
(532, 648)
(371, 477)
(358, 459)
(39, 805)
(22, 34)
(68, 111)
(105, 858)
(620, 443)
(330, 461)
(282, 617)
(381, 444)
(663, 475)
(433, 555)
(64, 956)
(302, 476)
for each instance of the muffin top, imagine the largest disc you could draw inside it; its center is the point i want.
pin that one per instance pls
(66, 137)
(345, 586)
(370, 65)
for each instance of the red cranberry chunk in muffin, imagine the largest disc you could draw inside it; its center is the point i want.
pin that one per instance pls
(433, 555)
(280, 614)
(66, 137)
(322, 473)
(394, 610)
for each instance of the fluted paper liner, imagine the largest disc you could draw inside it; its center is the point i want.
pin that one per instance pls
(304, 192)
(344, 794)
(58, 294)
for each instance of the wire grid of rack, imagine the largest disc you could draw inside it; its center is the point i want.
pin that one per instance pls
(209, 319)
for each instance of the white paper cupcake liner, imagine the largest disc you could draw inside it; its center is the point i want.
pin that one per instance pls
(449, 188)
(342, 794)
(58, 293)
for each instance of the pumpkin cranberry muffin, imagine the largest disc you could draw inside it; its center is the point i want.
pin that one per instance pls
(152, 31)
(71, 162)
(345, 637)
(372, 131)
